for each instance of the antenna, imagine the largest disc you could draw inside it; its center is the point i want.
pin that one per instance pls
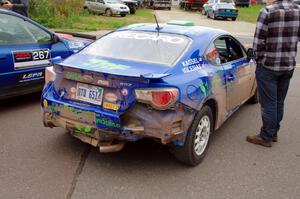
(157, 28)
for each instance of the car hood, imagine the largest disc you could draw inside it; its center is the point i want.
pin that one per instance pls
(226, 5)
(115, 67)
(117, 5)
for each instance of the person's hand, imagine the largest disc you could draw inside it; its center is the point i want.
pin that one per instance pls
(7, 5)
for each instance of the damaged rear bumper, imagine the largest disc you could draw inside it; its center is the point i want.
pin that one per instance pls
(109, 130)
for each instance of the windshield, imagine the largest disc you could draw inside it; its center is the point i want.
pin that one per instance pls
(148, 47)
(112, 1)
(226, 1)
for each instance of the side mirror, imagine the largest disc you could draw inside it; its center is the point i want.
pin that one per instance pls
(250, 54)
(55, 38)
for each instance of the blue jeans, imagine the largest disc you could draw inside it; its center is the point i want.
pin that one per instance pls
(272, 88)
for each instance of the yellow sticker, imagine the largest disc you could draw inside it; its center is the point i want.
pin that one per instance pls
(111, 106)
(45, 103)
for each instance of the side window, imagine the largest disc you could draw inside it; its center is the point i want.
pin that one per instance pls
(16, 31)
(228, 49)
(212, 55)
(235, 50)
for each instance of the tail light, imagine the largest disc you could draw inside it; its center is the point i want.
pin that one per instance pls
(221, 10)
(235, 11)
(160, 98)
(49, 74)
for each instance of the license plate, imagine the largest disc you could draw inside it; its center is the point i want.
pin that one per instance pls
(90, 94)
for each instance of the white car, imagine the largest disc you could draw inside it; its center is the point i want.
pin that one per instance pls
(107, 7)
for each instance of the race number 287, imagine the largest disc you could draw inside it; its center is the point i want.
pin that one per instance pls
(40, 55)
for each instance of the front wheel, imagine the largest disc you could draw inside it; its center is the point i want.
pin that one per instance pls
(255, 98)
(197, 140)
(213, 16)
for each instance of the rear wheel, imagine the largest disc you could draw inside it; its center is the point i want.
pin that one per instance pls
(123, 15)
(197, 140)
(108, 12)
(233, 19)
(255, 98)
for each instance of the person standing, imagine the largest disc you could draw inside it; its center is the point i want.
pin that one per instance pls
(19, 6)
(275, 44)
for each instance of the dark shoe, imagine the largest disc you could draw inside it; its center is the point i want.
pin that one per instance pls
(256, 139)
(275, 139)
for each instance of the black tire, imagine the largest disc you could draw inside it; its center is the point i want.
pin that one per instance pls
(207, 15)
(255, 98)
(214, 16)
(187, 153)
(132, 11)
(233, 19)
(108, 12)
(123, 15)
(169, 8)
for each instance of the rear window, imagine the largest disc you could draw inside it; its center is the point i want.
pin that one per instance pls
(148, 47)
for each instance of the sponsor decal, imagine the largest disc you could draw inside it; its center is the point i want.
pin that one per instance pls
(204, 88)
(73, 92)
(111, 106)
(75, 44)
(125, 84)
(83, 129)
(124, 92)
(26, 77)
(213, 55)
(192, 65)
(147, 36)
(107, 123)
(45, 103)
(110, 97)
(78, 77)
(103, 82)
(31, 58)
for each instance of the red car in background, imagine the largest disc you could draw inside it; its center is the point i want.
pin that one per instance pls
(192, 4)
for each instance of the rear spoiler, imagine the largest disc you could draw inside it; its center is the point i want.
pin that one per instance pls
(79, 35)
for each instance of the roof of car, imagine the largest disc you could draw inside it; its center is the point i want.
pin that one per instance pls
(7, 11)
(193, 32)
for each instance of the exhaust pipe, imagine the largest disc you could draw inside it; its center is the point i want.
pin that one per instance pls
(107, 147)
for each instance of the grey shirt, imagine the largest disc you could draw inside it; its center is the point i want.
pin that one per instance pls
(20, 6)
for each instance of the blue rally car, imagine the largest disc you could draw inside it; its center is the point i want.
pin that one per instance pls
(173, 83)
(25, 50)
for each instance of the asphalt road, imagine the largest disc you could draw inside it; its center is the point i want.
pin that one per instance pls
(38, 162)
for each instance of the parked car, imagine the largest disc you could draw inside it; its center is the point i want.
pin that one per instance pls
(242, 3)
(174, 83)
(296, 2)
(132, 5)
(107, 7)
(155, 4)
(221, 9)
(192, 4)
(25, 50)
